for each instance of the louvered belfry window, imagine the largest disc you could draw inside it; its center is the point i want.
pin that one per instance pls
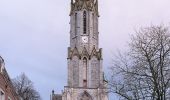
(84, 22)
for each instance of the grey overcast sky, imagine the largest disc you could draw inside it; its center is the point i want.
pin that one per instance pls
(34, 35)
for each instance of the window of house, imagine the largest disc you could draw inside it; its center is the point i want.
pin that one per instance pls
(2, 95)
(9, 98)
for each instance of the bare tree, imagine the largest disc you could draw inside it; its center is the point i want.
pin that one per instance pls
(143, 72)
(25, 88)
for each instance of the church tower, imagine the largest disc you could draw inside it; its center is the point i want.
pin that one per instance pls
(85, 73)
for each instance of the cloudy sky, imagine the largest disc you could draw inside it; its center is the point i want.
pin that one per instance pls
(34, 35)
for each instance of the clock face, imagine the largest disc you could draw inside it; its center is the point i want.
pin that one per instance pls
(85, 39)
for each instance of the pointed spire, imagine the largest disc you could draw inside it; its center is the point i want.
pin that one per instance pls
(100, 54)
(72, 6)
(69, 53)
(96, 7)
(53, 92)
(96, 2)
(94, 52)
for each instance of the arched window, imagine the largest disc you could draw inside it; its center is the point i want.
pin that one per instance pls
(84, 22)
(85, 72)
(93, 24)
(76, 24)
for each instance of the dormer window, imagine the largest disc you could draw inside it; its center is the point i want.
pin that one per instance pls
(84, 22)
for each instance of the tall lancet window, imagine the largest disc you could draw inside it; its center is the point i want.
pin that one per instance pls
(93, 24)
(76, 24)
(84, 22)
(85, 72)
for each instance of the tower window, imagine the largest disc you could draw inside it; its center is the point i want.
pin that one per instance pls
(84, 83)
(85, 72)
(84, 22)
(75, 24)
(93, 25)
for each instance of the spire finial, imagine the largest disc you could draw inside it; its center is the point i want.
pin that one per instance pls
(52, 91)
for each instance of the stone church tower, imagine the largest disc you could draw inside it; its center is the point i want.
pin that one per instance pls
(85, 73)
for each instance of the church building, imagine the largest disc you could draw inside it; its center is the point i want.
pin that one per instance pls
(85, 69)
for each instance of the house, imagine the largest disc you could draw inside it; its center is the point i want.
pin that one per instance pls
(7, 91)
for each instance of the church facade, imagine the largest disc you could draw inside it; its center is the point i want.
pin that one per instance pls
(85, 69)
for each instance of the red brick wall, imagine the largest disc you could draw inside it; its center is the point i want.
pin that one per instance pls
(7, 88)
